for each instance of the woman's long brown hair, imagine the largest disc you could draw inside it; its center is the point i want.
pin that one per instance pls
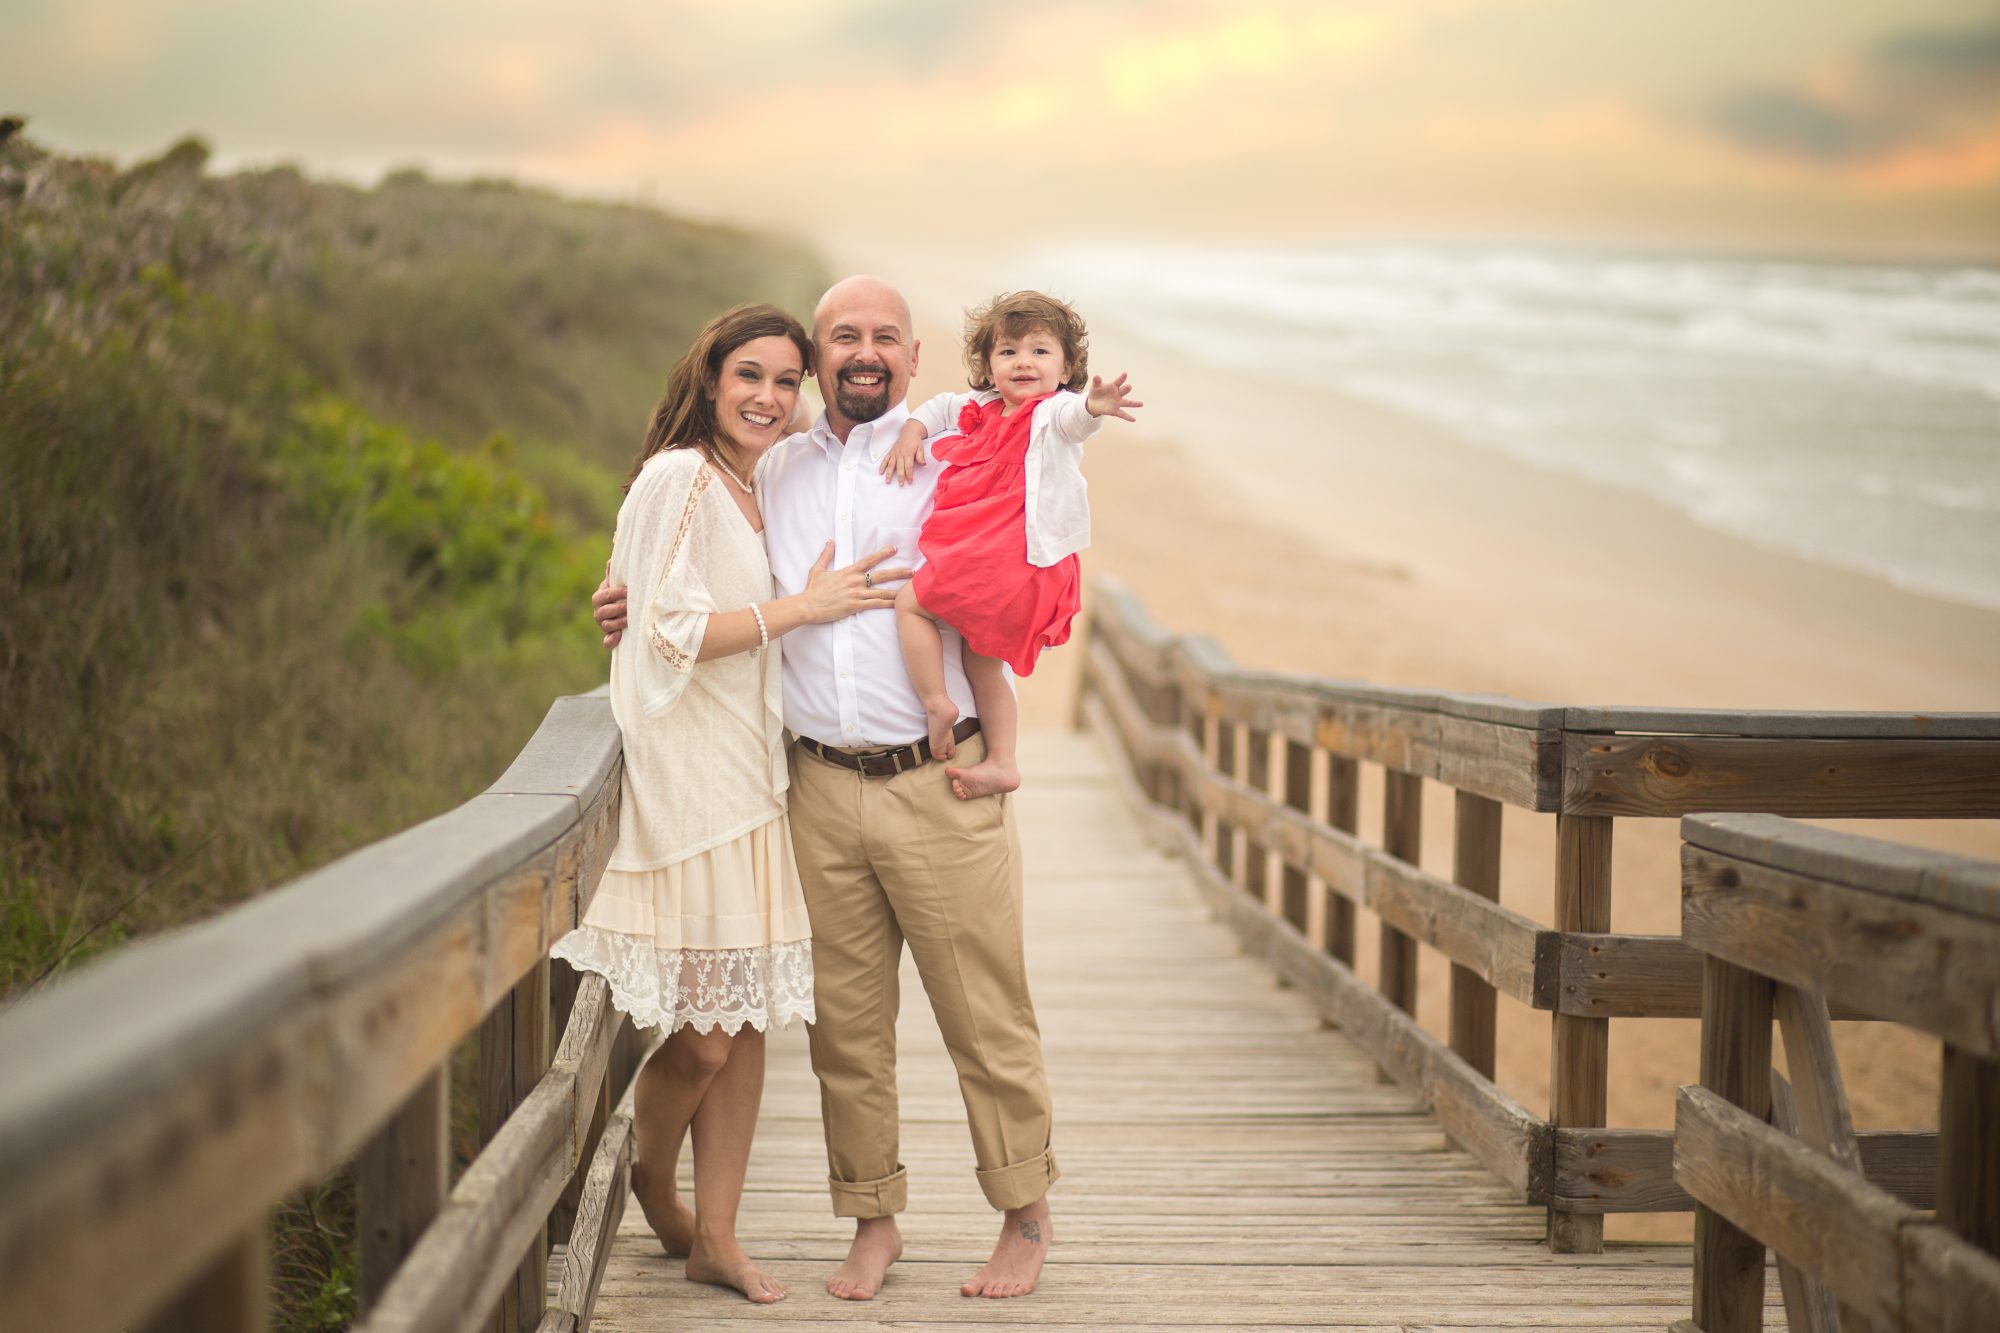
(686, 412)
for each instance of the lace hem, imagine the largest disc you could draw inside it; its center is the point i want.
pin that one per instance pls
(765, 986)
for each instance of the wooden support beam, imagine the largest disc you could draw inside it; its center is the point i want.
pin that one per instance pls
(401, 1178)
(1402, 837)
(1735, 1067)
(1580, 1048)
(1475, 866)
(1969, 1148)
(230, 1295)
(1342, 812)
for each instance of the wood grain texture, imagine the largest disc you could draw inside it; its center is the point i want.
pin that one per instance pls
(1475, 867)
(1736, 1071)
(1928, 966)
(1876, 1255)
(400, 1178)
(1402, 839)
(470, 1257)
(1229, 1162)
(228, 1064)
(1809, 1305)
(1969, 1148)
(1821, 779)
(1579, 1048)
(1942, 879)
(1632, 1170)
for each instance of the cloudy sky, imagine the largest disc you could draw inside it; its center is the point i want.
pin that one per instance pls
(1864, 125)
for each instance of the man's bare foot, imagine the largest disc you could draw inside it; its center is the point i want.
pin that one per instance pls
(988, 777)
(671, 1220)
(1025, 1235)
(878, 1242)
(940, 715)
(723, 1264)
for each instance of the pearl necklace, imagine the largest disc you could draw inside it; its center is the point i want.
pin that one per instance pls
(715, 457)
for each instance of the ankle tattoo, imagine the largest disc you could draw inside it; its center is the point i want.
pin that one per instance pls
(1031, 1232)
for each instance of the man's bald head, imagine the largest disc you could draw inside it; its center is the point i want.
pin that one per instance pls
(862, 291)
(865, 349)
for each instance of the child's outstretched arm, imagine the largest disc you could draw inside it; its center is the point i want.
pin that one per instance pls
(1111, 400)
(900, 464)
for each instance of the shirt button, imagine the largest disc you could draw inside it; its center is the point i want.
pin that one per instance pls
(843, 675)
(843, 518)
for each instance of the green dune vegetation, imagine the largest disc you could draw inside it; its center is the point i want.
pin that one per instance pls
(302, 490)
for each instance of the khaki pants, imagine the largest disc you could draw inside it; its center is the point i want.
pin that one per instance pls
(889, 860)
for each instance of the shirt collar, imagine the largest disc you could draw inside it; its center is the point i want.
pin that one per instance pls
(876, 436)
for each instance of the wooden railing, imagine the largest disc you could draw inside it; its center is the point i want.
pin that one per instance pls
(1790, 919)
(1255, 778)
(156, 1106)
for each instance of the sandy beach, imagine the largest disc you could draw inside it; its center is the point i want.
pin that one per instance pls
(1315, 533)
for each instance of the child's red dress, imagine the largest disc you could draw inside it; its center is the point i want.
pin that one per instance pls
(976, 575)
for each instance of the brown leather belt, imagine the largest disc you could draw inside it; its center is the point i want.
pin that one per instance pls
(887, 763)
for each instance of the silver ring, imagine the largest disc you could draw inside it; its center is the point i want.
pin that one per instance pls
(868, 579)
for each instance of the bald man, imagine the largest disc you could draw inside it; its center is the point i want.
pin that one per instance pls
(887, 854)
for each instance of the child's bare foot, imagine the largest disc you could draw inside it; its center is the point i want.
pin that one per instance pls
(723, 1264)
(671, 1220)
(988, 777)
(1025, 1235)
(878, 1242)
(941, 714)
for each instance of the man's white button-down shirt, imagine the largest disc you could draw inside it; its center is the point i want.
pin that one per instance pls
(844, 682)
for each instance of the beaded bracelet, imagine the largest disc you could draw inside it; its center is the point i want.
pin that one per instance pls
(763, 634)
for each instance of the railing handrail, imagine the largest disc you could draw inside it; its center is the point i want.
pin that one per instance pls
(1253, 776)
(1788, 917)
(1114, 602)
(161, 1099)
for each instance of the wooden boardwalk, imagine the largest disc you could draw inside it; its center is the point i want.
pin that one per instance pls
(1228, 1161)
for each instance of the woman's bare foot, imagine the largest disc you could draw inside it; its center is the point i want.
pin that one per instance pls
(671, 1220)
(1025, 1235)
(878, 1242)
(723, 1264)
(941, 714)
(988, 777)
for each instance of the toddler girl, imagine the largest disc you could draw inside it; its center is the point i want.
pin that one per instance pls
(1000, 546)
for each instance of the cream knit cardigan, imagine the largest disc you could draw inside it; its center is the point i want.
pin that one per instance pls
(704, 741)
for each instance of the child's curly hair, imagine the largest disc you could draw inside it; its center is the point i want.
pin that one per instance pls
(1015, 315)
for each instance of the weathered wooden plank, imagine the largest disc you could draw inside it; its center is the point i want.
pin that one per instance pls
(1343, 806)
(600, 1207)
(1809, 1305)
(401, 1179)
(1949, 1284)
(1579, 1048)
(1476, 868)
(1784, 723)
(1632, 1170)
(471, 1254)
(1735, 1071)
(1403, 839)
(1927, 966)
(1496, 946)
(1825, 779)
(1969, 1148)
(263, 1046)
(230, 1295)
(1514, 765)
(1824, 1121)
(1823, 1217)
(1635, 976)
(1962, 883)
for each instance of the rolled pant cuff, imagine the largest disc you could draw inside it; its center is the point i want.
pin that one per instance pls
(1020, 1184)
(871, 1198)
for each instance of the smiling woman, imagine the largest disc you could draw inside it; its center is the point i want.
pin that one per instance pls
(700, 923)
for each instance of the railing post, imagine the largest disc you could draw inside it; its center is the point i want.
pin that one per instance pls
(1164, 708)
(1296, 791)
(1968, 1193)
(514, 1053)
(1253, 764)
(1580, 1048)
(1736, 1006)
(1475, 865)
(1219, 751)
(231, 1295)
(1402, 838)
(1342, 811)
(401, 1177)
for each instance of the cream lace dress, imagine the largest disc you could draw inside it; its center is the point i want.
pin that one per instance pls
(700, 920)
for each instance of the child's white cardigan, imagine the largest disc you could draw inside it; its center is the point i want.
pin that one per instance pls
(1058, 505)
